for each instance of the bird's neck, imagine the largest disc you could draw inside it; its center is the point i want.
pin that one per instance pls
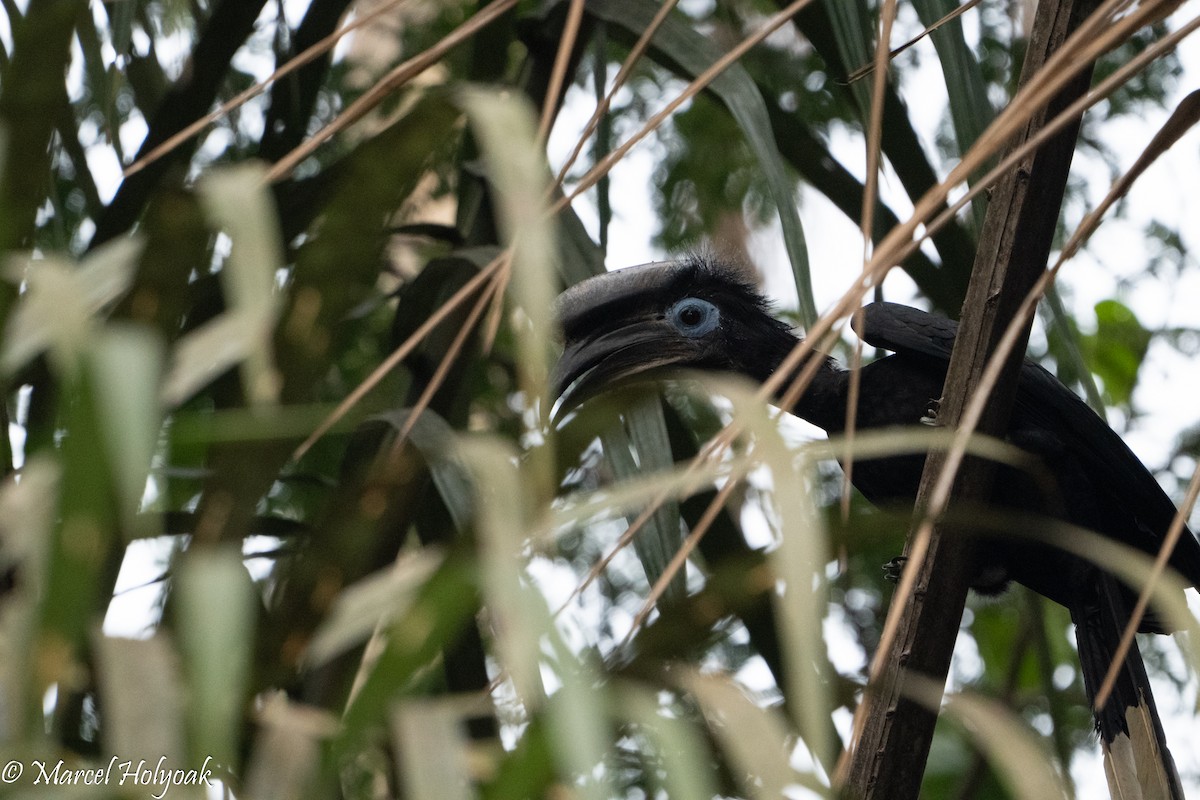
(823, 402)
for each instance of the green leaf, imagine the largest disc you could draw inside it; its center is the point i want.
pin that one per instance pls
(126, 364)
(57, 310)
(686, 764)
(966, 88)
(577, 712)
(754, 739)
(642, 450)
(121, 16)
(1014, 749)
(799, 566)
(287, 750)
(215, 621)
(528, 769)
(237, 201)
(519, 176)
(1117, 349)
(432, 750)
(142, 693)
(27, 511)
(519, 612)
(85, 544)
(578, 715)
(51, 316)
(208, 351)
(854, 34)
(371, 603)
(799, 561)
(444, 604)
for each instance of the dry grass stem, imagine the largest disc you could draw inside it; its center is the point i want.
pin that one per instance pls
(389, 83)
(399, 354)
(866, 69)
(635, 55)
(291, 65)
(679, 560)
(491, 327)
(1143, 601)
(443, 367)
(711, 449)
(602, 167)
(558, 73)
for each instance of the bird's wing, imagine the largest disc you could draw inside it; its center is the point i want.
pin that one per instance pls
(1111, 465)
(1044, 402)
(906, 330)
(1051, 421)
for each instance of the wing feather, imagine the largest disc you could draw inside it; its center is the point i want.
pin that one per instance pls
(1045, 404)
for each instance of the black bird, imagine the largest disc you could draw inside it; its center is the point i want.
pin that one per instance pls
(697, 314)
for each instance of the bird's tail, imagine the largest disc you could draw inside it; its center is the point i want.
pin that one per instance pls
(1137, 763)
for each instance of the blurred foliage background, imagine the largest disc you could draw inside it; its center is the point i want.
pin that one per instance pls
(229, 534)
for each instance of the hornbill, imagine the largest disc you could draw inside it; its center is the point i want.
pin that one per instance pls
(697, 314)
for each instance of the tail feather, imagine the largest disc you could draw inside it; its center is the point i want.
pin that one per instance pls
(1137, 763)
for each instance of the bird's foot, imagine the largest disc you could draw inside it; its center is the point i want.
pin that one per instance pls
(893, 569)
(931, 412)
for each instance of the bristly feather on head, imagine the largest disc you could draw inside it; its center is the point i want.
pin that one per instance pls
(587, 306)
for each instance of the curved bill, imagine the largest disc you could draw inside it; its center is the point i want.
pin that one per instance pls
(613, 290)
(614, 331)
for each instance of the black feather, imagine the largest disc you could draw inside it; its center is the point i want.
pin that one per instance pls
(615, 326)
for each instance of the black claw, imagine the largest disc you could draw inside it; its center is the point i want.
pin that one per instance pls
(893, 569)
(931, 412)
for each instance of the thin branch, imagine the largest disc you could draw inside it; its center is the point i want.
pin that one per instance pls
(558, 73)
(398, 355)
(1143, 601)
(307, 56)
(231, 22)
(443, 368)
(691, 90)
(389, 83)
(870, 199)
(635, 55)
(866, 69)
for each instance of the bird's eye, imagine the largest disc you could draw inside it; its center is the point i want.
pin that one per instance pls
(694, 317)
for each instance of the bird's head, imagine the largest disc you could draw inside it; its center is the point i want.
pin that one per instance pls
(646, 320)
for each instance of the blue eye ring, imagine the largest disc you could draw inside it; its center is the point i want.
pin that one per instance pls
(694, 317)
